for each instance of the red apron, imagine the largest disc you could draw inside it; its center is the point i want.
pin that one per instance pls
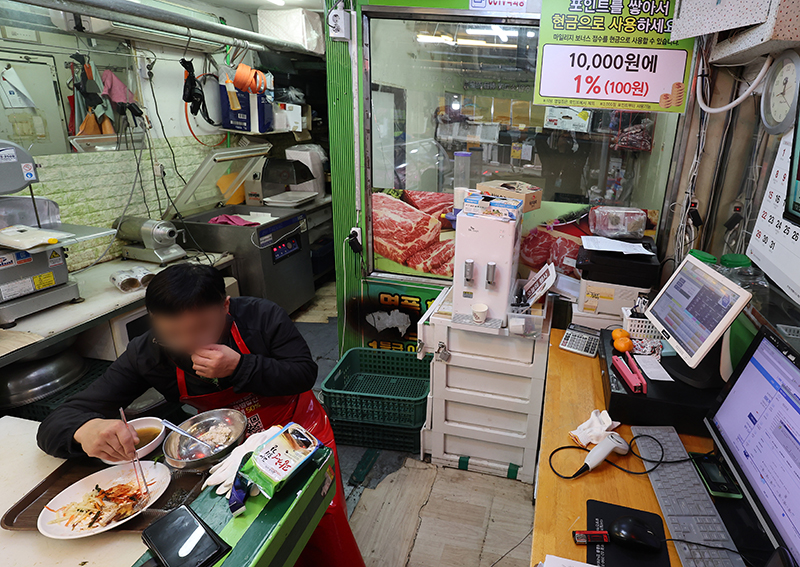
(332, 543)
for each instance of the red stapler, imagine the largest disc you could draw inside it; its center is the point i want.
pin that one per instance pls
(631, 374)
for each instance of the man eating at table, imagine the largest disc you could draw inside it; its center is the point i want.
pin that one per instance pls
(209, 351)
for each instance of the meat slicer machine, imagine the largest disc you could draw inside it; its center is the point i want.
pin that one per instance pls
(37, 278)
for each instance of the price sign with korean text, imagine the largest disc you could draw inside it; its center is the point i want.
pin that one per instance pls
(775, 243)
(611, 54)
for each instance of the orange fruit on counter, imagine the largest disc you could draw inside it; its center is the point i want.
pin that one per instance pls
(623, 344)
(620, 334)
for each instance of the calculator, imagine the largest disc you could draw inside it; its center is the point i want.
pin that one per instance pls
(581, 340)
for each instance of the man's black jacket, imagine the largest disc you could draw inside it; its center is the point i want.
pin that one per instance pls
(280, 364)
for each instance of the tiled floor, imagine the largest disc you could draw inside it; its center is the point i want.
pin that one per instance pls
(408, 513)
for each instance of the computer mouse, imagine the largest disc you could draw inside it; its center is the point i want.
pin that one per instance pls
(633, 533)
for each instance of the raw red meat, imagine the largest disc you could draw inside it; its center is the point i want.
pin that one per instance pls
(399, 230)
(563, 255)
(444, 269)
(433, 256)
(535, 248)
(434, 204)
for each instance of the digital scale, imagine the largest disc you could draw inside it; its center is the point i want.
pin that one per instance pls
(35, 279)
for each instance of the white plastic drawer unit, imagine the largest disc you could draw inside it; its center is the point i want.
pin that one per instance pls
(499, 381)
(437, 331)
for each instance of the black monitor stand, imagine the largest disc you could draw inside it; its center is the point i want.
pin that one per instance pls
(705, 376)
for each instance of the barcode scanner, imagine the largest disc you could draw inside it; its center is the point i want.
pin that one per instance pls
(613, 443)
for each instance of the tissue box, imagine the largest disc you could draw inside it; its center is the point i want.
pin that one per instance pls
(502, 209)
(530, 195)
(559, 118)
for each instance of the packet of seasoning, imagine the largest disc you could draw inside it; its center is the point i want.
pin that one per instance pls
(276, 460)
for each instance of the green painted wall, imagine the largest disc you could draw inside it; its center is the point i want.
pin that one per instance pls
(343, 173)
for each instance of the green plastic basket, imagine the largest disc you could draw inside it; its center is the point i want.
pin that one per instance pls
(390, 438)
(380, 387)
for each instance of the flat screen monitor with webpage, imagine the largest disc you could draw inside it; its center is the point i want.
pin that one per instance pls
(757, 428)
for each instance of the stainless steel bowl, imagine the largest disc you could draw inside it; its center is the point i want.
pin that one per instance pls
(182, 453)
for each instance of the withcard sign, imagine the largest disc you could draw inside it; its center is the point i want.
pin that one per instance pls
(611, 54)
(499, 5)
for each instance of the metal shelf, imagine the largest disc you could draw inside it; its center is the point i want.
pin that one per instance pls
(80, 232)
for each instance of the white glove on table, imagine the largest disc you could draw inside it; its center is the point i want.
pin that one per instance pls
(224, 472)
(594, 429)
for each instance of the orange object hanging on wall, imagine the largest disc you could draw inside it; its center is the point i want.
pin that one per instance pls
(249, 80)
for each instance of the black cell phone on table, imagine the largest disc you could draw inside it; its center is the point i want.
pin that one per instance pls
(716, 476)
(182, 539)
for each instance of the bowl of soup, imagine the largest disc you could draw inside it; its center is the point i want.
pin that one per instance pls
(151, 433)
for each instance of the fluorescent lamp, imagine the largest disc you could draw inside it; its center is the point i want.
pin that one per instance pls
(531, 34)
(482, 43)
(473, 42)
(425, 38)
(500, 33)
(495, 30)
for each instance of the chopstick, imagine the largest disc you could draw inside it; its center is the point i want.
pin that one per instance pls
(136, 461)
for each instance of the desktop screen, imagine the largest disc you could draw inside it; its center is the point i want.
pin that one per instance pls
(759, 421)
(692, 306)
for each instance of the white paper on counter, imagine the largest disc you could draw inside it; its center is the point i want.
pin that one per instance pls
(604, 244)
(553, 561)
(652, 368)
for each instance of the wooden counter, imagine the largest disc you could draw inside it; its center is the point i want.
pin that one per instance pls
(572, 390)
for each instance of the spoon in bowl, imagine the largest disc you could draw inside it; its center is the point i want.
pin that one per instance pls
(176, 429)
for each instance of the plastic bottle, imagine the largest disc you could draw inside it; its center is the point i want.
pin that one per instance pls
(706, 258)
(461, 170)
(742, 272)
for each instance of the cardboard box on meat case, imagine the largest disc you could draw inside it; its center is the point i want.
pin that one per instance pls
(530, 195)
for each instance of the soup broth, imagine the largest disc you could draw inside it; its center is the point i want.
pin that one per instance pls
(146, 435)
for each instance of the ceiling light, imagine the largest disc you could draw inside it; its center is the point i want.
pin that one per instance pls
(424, 38)
(500, 33)
(494, 30)
(482, 43)
(475, 42)
(531, 34)
(277, 2)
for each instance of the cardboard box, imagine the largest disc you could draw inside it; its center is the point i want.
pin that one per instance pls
(291, 117)
(530, 195)
(255, 115)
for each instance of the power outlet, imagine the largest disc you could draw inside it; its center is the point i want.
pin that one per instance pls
(158, 170)
(357, 231)
(339, 24)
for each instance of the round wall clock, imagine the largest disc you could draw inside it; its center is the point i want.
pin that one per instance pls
(781, 88)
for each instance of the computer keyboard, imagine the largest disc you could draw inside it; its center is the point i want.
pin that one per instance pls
(685, 503)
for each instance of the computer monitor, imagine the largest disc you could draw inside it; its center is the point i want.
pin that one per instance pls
(695, 308)
(757, 429)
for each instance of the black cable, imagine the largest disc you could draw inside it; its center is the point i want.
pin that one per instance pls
(153, 170)
(179, 216)
(129, 130)
(718, 548)
(512, 549)
(163, 131)
(658, 462)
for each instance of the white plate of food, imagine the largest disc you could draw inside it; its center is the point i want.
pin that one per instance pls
(102, 501)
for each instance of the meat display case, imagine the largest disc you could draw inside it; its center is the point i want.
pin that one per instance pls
(442, 97)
